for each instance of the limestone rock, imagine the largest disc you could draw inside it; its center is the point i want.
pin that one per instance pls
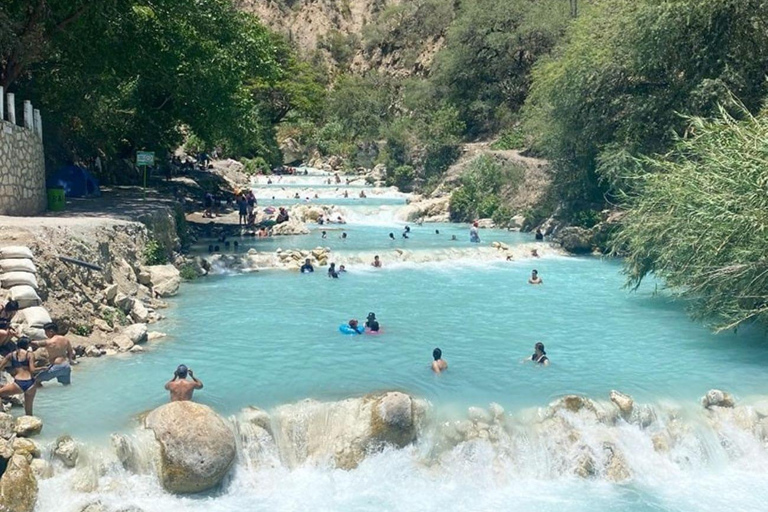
(136, 349)
(137, 333)
(154, 336)
(86, 479)
(27, 426)
(124, 276)
(165, 279)
(23, 446)
(41, 468)
(717, 398)
(102, 325)
(392, 419)
(18, 486)
(197, 446)
(7, 424)
(93, 351)
(139, 312)
(124, 302)
(575, 240)
(623, 402)
(6, 449)
(110, 292)
(66, 451)
(292, 227)
(122, 342)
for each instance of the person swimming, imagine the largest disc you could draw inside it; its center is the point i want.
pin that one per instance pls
(534, 253)
(376, 262)
(371, 322)
(540, 355)
(332, 271)
(342, 269)
(438, 364)
(355, 326)
(307, 267)
(453, 238)
(535, 279)
(437, 231)
(391, 236)
(324, 235)
(343, 236)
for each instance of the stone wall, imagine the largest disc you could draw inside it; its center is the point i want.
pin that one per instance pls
(22, 171)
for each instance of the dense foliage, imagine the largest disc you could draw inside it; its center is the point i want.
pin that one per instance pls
(116, 76)
(479, 193)
(699, 220)
(626, 71)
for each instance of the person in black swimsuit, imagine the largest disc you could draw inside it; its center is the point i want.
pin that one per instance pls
(307, 267)
(22, 367)
(539, 235)
(540, 355)
(371, 322)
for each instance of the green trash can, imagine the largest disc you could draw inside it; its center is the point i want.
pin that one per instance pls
(55, 199)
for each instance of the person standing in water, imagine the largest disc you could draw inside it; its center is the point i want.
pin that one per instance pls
(474, 235)
(371, 322)
(22, 362)
(332, 271)
(307, 267)
(539, 235)
(376, 262)
(392, 236)
(60, 355)
(438, 364)
(180, 388)
(535, 279)
(540, 355)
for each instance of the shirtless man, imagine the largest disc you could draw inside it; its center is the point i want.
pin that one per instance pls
(438, 365)
(60, 356)
(181, 389)
(535, 279)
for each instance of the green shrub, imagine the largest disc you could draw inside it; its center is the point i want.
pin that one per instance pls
(114, 317)
(513, 138)
(188, 272)
(403, 176)
(83, 330)
(586, 218)
(155, 253)
(252, 166)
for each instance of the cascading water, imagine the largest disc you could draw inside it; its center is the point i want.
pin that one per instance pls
(271, 340)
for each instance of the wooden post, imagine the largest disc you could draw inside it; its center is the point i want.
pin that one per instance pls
(11, 107)
(29, 122)
(2, 103)
(38, 123)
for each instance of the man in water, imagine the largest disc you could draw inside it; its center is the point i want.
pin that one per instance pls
(392, 236)
(474, 235)
(539, 235)
(324, 235)
(540, 355)
(376, 262)
(438, 365)
(371, 322)
(282, 216)
(534, 253)
(181, 389)
(60, 355)
(342, 269)
(307, 267)
(535, 279)
(332, 271)
(343, 236)
(242, 206)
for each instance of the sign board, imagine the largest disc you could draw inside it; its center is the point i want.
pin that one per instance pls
(145, 158)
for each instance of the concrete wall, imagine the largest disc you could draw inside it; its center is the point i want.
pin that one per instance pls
(22, 171)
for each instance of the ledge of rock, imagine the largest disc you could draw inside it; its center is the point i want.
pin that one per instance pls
(165, 279)
(197, 447)
(27, 426)
(18, 486)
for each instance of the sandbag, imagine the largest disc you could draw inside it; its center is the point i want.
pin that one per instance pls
(25, 295)
(36, 316)
(33, 333)
(16, 251)
(17, 265)
(11, 279)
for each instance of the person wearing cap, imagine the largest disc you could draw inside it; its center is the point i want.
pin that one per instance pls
(371, 322)
(540, 355)
(180, 388)
(474, 235)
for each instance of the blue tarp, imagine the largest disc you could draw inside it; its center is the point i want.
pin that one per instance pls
(76, 182)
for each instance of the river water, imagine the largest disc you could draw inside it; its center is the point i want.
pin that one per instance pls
(271, 337)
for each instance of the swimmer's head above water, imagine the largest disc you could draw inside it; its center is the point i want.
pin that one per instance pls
(181, 371)
(437, 354)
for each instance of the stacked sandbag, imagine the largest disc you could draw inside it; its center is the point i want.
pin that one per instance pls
(18, 278)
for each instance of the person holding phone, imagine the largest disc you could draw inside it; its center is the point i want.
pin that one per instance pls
(180, 388)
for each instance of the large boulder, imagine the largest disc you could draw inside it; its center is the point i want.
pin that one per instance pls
(575, 240)
(18, 486)
(137, 333)
(344, 432)
(165, 279)
(7, 424)
(717, 398)
(197, 447)
(292, 227)
(66, 451)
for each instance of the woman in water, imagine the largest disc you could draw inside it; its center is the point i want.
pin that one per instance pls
(332, 271)
(22, 362)
(474, 235)
(371, 322)
(376, 262)
(540, 355)
(353, 324)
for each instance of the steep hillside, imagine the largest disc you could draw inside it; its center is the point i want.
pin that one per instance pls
(391, 36)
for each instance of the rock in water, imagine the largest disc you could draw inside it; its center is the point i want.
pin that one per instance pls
(575, 240)
(66, 451)
(623, 402)
(717, 398)
(392, 419)
(27, 426)
(18, 486)
(197, 447)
